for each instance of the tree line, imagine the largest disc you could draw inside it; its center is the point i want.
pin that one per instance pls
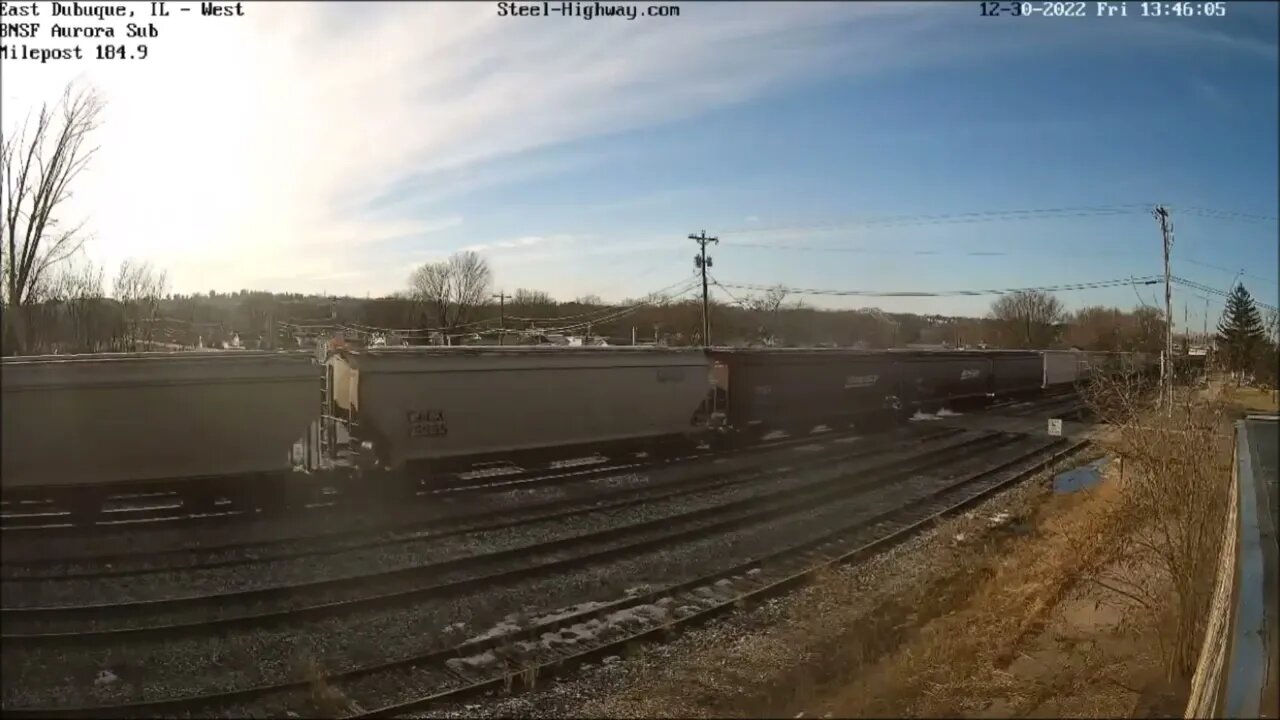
(454, 301)
(53, 301)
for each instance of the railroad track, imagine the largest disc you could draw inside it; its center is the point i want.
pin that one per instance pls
(216, 613)
(562, 640)
(449, 521)
(1069, 403)
(703, 599)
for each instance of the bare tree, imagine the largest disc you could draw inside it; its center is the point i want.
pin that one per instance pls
(589, 300)
(531, 298)
(1028, 318)
(453, 289)
(36, 169)
(766, 308)
(769, 302)
(78, 289)
(138, 288)
(1174, 497)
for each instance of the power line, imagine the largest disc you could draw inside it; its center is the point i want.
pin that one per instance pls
(870, 251)
(622, 313)
(599, 315)
(1149, 280)
(1226, 270)
(971, 217)
(725, 290)
(1215, 291)
(601, 311)
(1225, 214)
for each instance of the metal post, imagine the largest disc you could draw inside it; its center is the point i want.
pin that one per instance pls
(502, 316)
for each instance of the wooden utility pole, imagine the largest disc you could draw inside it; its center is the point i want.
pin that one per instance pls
(703, 262)
(1166, 368)
(502, 316)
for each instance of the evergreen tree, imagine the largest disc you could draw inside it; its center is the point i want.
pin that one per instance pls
(1240, 332)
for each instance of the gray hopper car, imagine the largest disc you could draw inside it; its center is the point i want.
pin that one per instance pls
(111, 419)
(443, 406)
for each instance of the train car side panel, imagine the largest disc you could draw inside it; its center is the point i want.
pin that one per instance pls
(1064, 367)
(1017, 373)
(936, 378)
(432, 405)
(108, 419)
(789, 388)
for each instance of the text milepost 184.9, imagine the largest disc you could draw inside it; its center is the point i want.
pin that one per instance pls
(1103, 8)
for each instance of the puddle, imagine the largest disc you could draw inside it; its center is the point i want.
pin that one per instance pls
(1081, 478)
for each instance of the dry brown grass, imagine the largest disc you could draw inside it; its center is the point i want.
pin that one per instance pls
(1253, 399)
(327, 700)
(1174, 494)
(956, 662)
(1087, 614)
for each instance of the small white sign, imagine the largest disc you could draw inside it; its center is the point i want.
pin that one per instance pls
(1055, 426)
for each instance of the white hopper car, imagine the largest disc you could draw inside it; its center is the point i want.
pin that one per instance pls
(138, 420)
(440, 406)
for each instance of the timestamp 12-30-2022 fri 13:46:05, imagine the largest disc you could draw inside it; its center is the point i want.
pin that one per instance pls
(1103, 9)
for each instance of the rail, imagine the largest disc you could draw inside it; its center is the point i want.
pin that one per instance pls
(1238, 674)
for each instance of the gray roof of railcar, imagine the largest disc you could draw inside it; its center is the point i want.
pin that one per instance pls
(516, 350)
(791, 351)
(869, 353)
(175, 355)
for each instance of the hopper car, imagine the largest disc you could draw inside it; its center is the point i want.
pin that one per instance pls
(211, 425)
(447, 408)
(152, 422)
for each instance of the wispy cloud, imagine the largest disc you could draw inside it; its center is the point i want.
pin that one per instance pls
(289, 144)
(1207, 92)
(271, 156)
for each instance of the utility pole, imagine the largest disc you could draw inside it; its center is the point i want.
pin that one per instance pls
(1166, 368)
(703, 262)
(502, 316)
(1206, 327)
(1186, 331)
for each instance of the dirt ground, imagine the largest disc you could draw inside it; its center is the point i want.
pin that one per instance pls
(999, 613)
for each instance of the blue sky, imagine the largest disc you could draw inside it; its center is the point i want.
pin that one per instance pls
(579, 155)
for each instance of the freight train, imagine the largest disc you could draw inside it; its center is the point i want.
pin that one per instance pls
(215, 424)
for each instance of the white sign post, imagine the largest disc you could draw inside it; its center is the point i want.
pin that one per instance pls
(1055, 427)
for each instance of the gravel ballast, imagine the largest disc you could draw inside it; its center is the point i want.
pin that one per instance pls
(49, 676)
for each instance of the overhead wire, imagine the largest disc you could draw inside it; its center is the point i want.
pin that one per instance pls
(1209, 289)
(725, 290)
(1150, 280)
(1232, 215)
(950, 218)
(606, 309)
(622, 313)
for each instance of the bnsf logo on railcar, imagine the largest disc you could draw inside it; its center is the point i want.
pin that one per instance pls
(859, 381)
(970, 374)
(428, 423)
